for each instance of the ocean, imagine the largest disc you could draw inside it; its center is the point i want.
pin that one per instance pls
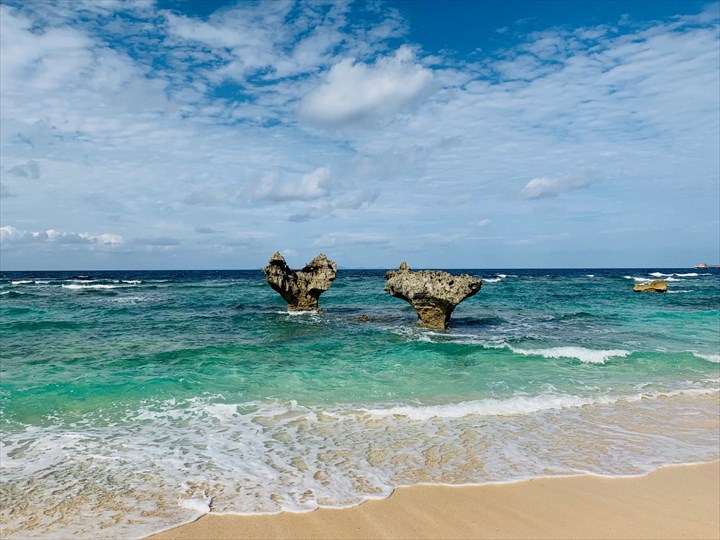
(131, 402)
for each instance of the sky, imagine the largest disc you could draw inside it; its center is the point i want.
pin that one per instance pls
(177, 134)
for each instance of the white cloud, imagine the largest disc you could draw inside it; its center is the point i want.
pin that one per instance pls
(353, 239)
(313, 185)
(179, 120)
(545, 186)
(355, 92)
(10, 236)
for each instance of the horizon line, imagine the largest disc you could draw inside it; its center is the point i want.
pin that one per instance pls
(711, 267)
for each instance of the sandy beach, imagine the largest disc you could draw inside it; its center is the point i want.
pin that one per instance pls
(673, 502)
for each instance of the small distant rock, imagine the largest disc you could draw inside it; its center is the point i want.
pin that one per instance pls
(659, 285)
(364, 318)
(300, 288)
(434, 294)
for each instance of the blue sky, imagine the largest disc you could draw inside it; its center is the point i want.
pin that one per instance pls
(179, 134)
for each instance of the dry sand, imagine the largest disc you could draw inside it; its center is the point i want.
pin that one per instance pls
(674, 502)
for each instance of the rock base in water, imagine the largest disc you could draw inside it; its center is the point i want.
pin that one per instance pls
(434, 294)
(302, 288)
(659, 285)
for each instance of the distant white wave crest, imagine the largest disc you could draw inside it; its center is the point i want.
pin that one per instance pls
(21, 282)
(95, 286)
(688, 274)
(648, 280)
(589, 356)
(496, 279)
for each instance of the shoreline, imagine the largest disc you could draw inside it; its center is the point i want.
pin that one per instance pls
(676, 501)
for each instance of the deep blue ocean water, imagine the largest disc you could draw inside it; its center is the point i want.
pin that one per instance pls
(146, 398)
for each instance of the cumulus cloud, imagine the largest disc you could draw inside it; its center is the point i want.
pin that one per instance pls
(356, 92)
(10, 236)
(547, 186)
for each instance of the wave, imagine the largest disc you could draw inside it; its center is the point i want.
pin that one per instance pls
(13, 294)
(95, 286)
(590, 275)
(639, 279)
(21, 282)
(185, 457)
(588, 356)
(688, 274)
(648, 280)
(496, 279)
(522, 405)
(710, 357)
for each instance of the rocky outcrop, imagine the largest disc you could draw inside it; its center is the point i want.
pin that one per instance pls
(433, 294)
(300, 288)
(659, 285)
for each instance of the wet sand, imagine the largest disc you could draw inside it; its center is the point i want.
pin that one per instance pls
(673, 502)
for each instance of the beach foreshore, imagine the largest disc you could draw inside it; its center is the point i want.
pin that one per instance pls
(672, 502)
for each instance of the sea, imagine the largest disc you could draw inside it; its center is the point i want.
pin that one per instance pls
(135, 401)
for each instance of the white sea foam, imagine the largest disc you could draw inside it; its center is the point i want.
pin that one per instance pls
(521, 405)
(94, 286)
(590, 275)
(182, 458)
(491, 407)
(710, 357)
(590, 356)
(688, 274)
(21, 282)
(496, 279)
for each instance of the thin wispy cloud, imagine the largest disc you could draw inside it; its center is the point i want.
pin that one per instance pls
(544, 186)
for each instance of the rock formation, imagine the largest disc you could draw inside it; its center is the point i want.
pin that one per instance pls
(659, 285)
(433, 294)
(300, 288)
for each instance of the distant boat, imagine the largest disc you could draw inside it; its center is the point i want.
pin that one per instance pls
(702, 266)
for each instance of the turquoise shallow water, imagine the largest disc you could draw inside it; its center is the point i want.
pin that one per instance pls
(146, 398)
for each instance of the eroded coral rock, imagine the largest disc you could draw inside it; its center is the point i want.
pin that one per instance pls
(659, 285)
(300, 288)
(434, 294)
